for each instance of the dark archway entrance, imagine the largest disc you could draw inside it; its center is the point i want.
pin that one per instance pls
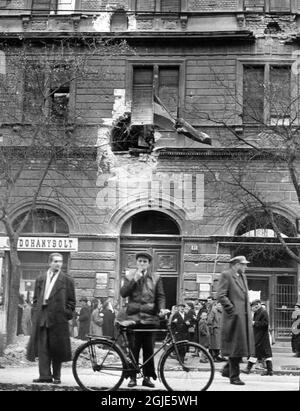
(158, 234)
(271, 272)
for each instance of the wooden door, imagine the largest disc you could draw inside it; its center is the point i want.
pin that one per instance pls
(166, 262)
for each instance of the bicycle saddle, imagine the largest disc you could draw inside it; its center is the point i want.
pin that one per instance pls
(126, 323)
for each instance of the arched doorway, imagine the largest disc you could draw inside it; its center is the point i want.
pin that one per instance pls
(272, 273)
(44, 224)
(158, 234)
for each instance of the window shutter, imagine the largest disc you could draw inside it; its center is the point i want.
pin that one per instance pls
(170, 5)
(142, 96)
(256, 5)
(253, 94)
(280, 92)
(168, 89)
(280, 5)
(145, 5)
(43, 6)
(34, 90)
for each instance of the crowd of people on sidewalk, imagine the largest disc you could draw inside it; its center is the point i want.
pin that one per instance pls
(200, 322)
(95, 317)
(229, 327)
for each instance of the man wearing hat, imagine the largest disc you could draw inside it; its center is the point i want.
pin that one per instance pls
(146, 300)
(236, 332)
(296, 330)
(263, 350)
(84, 319)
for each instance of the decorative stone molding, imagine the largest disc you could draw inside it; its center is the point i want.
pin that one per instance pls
(184, 21)
(76, 22)
(223, 258)
(39, 24)
(170, 24)
(240, 20)
(25, 22)
(93, 256)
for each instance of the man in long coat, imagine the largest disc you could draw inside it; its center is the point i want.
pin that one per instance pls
(53, 306)
(236, 331)
(263, 350)
(180, 325)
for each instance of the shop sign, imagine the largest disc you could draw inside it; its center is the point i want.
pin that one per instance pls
(101, 281)
(42, 244)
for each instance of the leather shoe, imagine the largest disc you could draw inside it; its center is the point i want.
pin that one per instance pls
(224, 374)
(41, 380)
(148, 383)
(132, 383)
(237, 382)
(56, 381)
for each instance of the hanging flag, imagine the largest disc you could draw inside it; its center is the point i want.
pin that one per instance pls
(161, 116)
(183, 127)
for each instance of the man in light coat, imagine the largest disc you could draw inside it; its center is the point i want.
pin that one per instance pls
(236, 331)
(53, 307)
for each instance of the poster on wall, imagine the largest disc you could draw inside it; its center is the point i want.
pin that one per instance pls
(101, 281)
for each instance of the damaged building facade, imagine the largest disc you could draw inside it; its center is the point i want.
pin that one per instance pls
(153, 188)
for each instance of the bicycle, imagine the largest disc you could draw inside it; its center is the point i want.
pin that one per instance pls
(102, 364)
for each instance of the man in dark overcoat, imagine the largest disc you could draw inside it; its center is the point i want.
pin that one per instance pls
(84, 319)
(146, 300)
(263, 349)
(180, 324)
(236, 330)
(53, 307)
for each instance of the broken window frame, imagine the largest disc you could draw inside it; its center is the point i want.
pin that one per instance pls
(267, 64)
(49, 93)
(156, 64)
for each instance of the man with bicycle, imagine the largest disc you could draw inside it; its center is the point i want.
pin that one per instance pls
(146, 300)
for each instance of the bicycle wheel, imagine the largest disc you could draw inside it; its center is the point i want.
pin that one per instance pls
(99, 365)
(196, 372)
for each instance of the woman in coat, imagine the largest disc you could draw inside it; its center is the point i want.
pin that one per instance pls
(214, 323)
(108, 319)
(84, 319)
(97, 319)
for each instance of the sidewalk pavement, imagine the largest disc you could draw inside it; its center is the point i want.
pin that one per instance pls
(286, 370)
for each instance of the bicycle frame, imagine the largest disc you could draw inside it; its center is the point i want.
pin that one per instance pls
(129, 355)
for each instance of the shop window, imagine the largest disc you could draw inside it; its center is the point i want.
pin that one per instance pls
(43, 221)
